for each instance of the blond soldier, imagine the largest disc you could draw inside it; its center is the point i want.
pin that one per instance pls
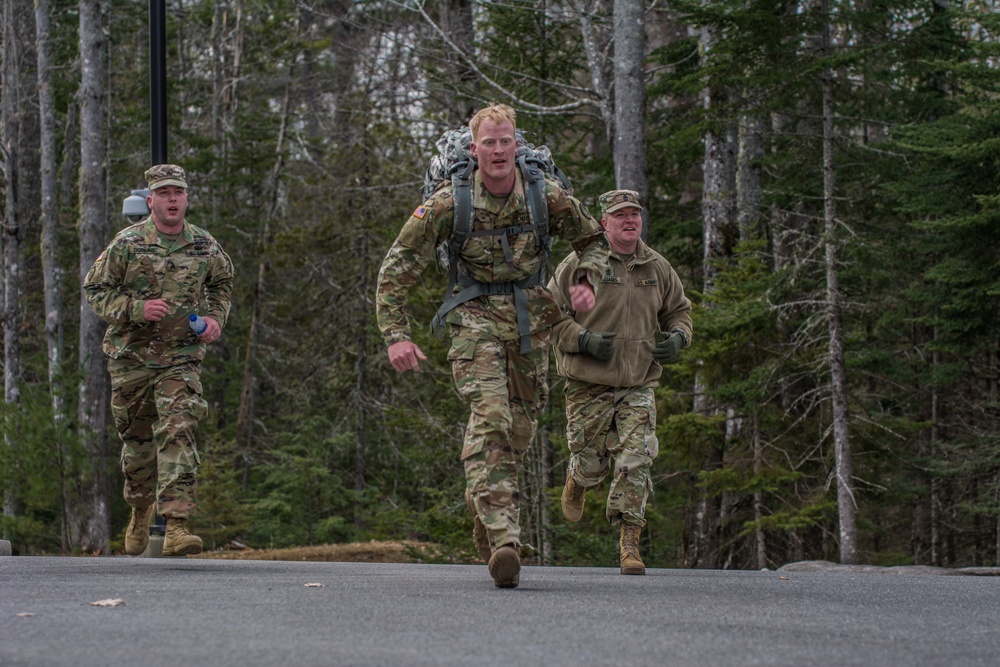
(145, 285)
(504, 384)
(611, 360)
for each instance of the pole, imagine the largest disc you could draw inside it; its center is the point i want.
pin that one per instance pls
(158, 80)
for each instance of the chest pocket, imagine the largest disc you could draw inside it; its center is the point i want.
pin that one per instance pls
(144, 276)
(514, 245)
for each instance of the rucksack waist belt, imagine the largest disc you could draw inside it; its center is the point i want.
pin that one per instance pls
(472, 289)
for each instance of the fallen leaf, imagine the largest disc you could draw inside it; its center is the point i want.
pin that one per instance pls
(315, 585)
(25, 614)
(110, 602)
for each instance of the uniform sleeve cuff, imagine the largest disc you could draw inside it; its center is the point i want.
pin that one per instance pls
(393, 337)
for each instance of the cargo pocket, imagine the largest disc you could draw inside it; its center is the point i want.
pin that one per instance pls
(195, 404)
(462, 356)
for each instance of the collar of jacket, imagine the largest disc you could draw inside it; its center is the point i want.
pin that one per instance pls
(152, 236)
(642, 255)
(481, 197)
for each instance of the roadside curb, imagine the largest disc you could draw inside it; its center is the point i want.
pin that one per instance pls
(827, 566)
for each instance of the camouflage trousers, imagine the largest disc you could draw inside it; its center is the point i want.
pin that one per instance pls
(505, 391)
(156, 412)
(605, 423)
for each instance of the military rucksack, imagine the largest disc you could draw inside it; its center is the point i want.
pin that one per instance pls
(454, 163)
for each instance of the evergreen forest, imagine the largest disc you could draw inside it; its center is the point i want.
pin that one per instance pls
(824, 175)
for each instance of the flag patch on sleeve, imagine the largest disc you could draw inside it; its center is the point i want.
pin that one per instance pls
(420, 212)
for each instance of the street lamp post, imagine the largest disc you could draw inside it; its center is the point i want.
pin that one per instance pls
(158, 80)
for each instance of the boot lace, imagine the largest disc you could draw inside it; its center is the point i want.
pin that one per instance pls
(630, 541)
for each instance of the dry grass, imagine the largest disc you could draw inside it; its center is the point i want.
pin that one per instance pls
(361, 552)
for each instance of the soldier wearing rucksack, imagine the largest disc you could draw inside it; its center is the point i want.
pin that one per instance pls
(499, 311)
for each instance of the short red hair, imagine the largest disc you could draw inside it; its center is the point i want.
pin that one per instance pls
(498, 113)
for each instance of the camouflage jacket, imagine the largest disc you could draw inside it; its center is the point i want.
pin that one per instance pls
(482, 258)
(135, 268)
(638, 298)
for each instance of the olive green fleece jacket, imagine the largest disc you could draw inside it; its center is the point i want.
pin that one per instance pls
(635, 301)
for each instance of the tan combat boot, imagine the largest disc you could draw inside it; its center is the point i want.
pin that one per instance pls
(572, 499)
(505, 567)
(178, 541)
(479, 535)
(137, 533)
(630, 559)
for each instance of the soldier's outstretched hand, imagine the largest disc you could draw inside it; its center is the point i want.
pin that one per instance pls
(404, 356)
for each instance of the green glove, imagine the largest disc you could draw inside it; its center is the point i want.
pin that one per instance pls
(668, 350)
(598, 344)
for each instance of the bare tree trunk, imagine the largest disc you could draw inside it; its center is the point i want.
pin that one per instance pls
(846, 501)
(218, 131)
(629, 146)
(13, 282)
(10, 126)
(596, 44)
(89, 526)
(346, 55)
(748, 170)
(544, 482)
(361, 380)
(538, 478)
(720, 235)
(702, 523)
(718, 205)
(935, 500)
(457, 21)
(758, 496)
(750, 151)
(52, 270)
(68, 155)
(248, 394)
(924, 538)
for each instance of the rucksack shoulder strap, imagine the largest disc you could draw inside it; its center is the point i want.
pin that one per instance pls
(534, 195)
(461, 181)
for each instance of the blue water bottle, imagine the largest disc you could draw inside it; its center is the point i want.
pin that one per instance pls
(198, 324)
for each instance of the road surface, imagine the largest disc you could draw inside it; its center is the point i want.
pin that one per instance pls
(180, 612)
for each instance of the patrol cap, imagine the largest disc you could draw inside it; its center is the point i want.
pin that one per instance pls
(163, 175)
(618, 199)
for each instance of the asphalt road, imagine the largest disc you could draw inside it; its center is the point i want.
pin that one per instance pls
(180, 612)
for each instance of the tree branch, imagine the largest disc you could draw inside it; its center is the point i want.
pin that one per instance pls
(418, 5)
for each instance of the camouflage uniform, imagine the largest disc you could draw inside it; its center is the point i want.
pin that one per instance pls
(619, 423)
(610, 408)
(505, 389)
(156, 393)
